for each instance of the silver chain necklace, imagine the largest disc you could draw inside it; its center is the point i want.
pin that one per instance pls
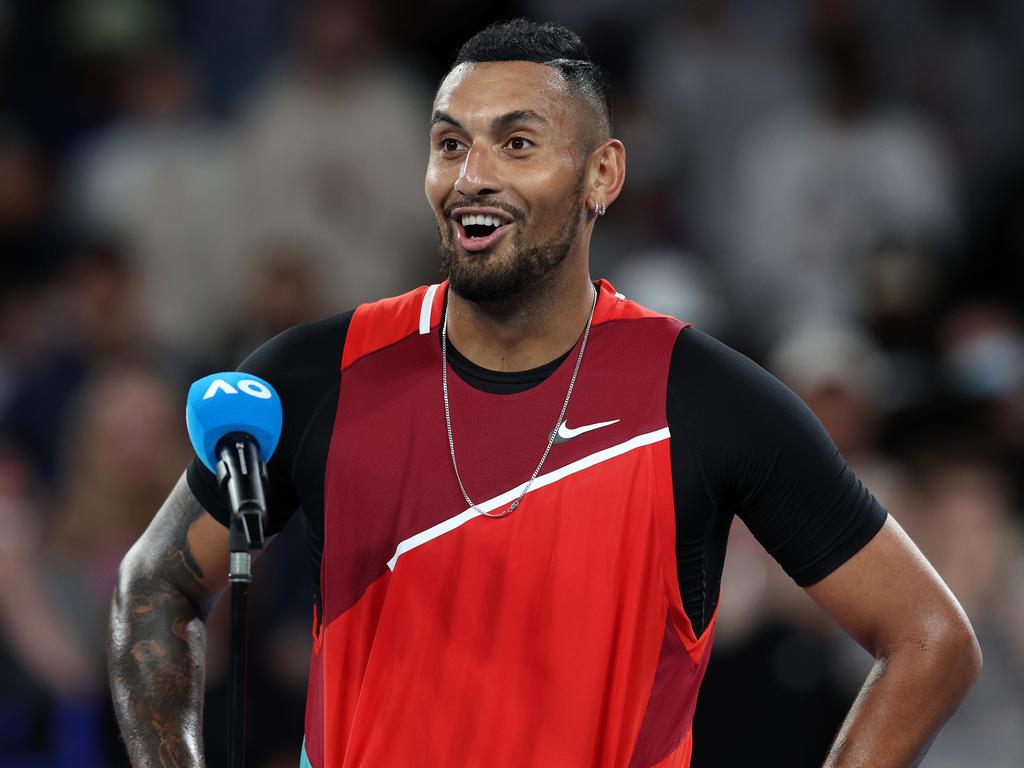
(551, 438)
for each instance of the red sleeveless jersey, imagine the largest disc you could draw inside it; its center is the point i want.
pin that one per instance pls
(552, 637)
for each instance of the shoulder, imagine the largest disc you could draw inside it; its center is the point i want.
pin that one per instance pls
(626, 322)
(702, 360)
(335, 342)
(730, 400)
(300, 351)
(380, 324)
(614, 306)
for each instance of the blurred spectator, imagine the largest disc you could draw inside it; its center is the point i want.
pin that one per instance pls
(284, 288)
(29, 235)
(965, 527)
(847, 381)
(981, 347)
(233, 44)
(335, 149)
(26, 332)
(98, 320)
(125, 449)
(841, 376)
(46, 673)
(30, 627)
(668, 281)
(961, 60)
(708, 72)
(31, 247)
(823, 188)
(160, 178)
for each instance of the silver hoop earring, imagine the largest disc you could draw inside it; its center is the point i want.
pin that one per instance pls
(599, 209)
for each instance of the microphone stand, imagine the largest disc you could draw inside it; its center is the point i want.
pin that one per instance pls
(248, 505)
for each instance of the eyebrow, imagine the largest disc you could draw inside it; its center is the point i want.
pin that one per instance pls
(444, 117)
(518, 116)
(499, 123)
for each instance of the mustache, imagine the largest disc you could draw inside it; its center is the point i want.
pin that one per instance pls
(483, 201)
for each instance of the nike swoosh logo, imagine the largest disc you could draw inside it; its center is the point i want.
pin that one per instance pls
(566, 433)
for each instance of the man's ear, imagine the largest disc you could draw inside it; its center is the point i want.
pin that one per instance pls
(606, 172)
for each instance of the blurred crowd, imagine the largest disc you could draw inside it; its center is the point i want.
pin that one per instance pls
(834, 187)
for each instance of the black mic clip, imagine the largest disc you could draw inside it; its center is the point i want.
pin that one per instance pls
(245, 476)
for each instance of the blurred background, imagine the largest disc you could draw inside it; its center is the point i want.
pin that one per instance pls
(835, 188)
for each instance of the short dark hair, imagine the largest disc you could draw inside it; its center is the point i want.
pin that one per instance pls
(545, 43)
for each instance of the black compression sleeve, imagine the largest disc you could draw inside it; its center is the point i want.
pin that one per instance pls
(745, 444)
(303, 364)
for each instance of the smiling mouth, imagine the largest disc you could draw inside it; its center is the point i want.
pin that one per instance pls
(480, 226)
(479, 231)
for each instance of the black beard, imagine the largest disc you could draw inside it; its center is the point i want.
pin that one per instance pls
(526, 267)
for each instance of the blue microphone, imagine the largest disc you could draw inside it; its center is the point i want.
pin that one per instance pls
(234, 422)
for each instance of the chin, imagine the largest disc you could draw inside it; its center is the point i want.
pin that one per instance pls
(500, 274)
(487, 285)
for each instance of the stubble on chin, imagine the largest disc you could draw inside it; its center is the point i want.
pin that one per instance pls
(487, 279)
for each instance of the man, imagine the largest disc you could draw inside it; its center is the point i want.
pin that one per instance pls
(519, 484)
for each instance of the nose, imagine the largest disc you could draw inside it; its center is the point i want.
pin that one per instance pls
(477, 176)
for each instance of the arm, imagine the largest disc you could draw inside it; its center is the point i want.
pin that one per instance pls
(760, 451)
(166, 586)
(893, 603)
(171, 577)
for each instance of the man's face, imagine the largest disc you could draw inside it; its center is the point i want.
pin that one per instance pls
(505, 176)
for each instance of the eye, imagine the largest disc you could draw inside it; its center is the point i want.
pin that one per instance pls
(448, 144)
(518, 143)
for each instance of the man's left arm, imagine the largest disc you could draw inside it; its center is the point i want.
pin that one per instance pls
(761, 452)
(890, 599)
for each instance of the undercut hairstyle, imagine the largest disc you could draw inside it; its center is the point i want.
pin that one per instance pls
(555, 46)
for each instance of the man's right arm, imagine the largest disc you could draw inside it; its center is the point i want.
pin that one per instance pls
(170, 579)
(166, 587)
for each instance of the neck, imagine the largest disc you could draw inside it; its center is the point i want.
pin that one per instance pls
(525, 331)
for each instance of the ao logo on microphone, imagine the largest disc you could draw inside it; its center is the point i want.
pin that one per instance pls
(232, 401)
(248, 386)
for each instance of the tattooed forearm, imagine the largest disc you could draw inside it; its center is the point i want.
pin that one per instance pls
(158, 640)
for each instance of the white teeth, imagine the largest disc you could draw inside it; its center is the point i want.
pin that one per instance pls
(481, 219)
